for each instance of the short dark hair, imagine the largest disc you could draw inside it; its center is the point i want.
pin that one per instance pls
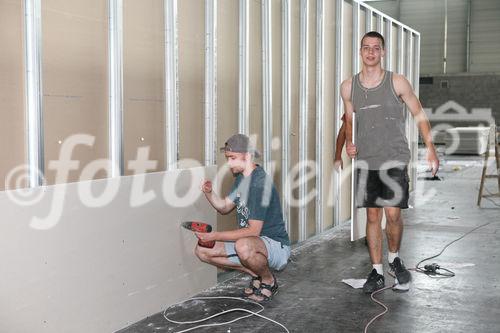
(375, 35)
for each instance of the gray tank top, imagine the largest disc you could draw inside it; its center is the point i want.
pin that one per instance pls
(380, 124)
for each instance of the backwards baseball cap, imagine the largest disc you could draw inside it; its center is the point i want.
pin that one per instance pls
(240, 143)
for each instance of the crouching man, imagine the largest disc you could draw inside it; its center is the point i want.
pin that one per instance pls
(261, 242)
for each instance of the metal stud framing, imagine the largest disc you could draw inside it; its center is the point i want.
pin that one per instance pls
(243, 87)
(401, 50)
(210, 82)
(355, 37)
(320, 82)
(388, 45)
(339, 41)
(286, 113)
(380, 24)
(404, 52)
(368, 20)
(416, 64)
(267, 84)
(379, 13)
(413, 131)
(115, 67)
(33, 87)
(416, 79)
(408, 57)
(171, 84)
(303, 116)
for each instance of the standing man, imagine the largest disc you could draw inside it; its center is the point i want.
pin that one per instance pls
(378, 97)
(261, 242)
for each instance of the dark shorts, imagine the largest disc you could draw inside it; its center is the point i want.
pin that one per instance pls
(382, 188)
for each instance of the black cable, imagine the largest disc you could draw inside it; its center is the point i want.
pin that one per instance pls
(432, 270)
(435, 271)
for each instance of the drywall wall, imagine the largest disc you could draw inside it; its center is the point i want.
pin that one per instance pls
(75, 84)
(227, 92)
(191, 62)
(99, 269)
(12, 140)
(143, 82)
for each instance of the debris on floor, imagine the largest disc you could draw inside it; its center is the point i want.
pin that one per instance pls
(355, 283)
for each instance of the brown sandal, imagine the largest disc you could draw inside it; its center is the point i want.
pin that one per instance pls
(252, 287)
(272, 288)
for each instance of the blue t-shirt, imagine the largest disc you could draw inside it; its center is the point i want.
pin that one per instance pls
(256, 198)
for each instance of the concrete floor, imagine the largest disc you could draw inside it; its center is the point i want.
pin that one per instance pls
(312, 297)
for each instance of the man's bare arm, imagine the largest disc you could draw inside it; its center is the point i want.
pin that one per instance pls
(345, 93)
(405, 91)
(222, 205)
(254, 228)
(340, 143)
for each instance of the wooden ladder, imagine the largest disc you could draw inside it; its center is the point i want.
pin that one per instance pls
(494, 132)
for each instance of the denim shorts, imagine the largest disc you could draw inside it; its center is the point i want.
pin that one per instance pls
(277, 254)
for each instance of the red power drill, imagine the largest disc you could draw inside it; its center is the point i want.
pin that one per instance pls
(200, 227)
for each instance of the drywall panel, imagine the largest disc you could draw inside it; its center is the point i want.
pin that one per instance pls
(227, 92)
(329, 134)
(143, 83)
(75, 81)
(12, 128)
(255, 108)
(99, 267)
(311, 115)
(191, 20)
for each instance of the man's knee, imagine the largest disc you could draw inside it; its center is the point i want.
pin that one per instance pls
(201, 254)
(373, 216)
(244, 248)
(393, 216)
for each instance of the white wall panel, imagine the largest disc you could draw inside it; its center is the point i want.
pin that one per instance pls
(100, 269)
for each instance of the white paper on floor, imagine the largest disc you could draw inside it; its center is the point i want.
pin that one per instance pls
(355, 283)
(457, 265)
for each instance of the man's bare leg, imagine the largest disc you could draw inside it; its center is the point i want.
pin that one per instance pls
(394, 232)
(375, 279)
(394, 228)
(253, 255)
(374, 234)
(217, 256)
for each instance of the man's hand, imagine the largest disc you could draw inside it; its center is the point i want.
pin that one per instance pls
(338, 165)
(433, 161)
(351, 149)
(206, 186)
(206, 236)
